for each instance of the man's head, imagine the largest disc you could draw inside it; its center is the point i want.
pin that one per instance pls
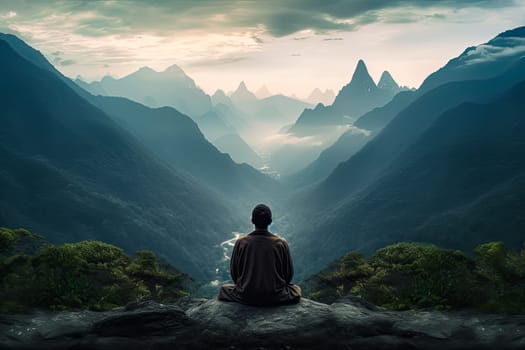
(261, 216)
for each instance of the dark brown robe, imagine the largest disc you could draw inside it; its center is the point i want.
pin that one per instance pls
(261, 267)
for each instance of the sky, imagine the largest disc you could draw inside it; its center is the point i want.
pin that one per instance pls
(290, 46)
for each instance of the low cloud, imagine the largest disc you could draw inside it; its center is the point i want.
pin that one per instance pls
(289, 139)
(497, 49)
(326, 136)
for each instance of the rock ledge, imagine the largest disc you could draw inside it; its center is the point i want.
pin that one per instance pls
(202, 323)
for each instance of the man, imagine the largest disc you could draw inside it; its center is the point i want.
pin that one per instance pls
(261, 267)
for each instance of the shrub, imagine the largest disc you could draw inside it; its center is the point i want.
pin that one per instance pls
(84, 275)
(414, 275)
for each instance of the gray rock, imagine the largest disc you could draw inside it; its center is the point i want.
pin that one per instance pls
(204, 324)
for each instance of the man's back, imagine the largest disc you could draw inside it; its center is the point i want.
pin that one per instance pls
(261, 265)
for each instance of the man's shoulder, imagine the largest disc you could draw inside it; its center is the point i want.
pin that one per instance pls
(264, 235)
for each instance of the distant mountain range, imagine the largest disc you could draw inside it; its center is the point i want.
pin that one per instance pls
(448, 168)
(176, 139)
(142, 176)
(317, 96)
(72, 173)
(353, 100)
(172, 87)
(278, 109)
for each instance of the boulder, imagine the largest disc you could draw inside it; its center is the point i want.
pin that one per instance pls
(206, 324)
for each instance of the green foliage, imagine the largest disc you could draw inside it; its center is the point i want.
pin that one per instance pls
(413, 275)
(9, 238)
(88, 274)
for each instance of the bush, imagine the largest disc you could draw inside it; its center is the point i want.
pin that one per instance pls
(413, 275)
(85, 275)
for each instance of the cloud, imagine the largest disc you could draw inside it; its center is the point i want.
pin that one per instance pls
(276, 18)
(496, 49)
(7, 15)
(57, 59)
(67, 62)
(328, 136)
(289, 139)
(206, 62)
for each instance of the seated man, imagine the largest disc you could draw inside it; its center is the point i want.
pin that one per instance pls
(261, 267)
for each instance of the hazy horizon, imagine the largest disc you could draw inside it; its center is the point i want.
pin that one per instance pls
(290, 47)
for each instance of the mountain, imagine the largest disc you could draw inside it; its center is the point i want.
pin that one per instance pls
(377, 155)
(390, 190)
(277, 108)
(483, 61)
(172, 87)
(346, 145)
(214, 126)
(238, 149)
(232, 116)
(219, 97)
(263, 92)
(351, 141)
(379, 117)
(280, 108)
(72, 173)
(243, 98)
(94, 88)
(176, 139)
(478, 62)
(317, 96)
(353, 100)
(460, 184)
(386, 82)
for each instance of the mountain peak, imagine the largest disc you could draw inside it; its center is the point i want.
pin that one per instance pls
(361, 75)
(326, 98)
(242, 87)
(243, 96)
(146, 69)
(174, 69)
(263, 92)
(219, 92)
(387, 82)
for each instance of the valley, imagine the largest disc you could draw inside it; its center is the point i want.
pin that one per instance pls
(151, 161)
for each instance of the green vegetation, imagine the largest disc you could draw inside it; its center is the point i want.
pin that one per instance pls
(413, 276)
(11, 238)
(84, 275)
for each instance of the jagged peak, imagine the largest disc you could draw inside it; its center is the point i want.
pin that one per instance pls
(361, 74)
(387, 82)
(174, 69)
(242, 87)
